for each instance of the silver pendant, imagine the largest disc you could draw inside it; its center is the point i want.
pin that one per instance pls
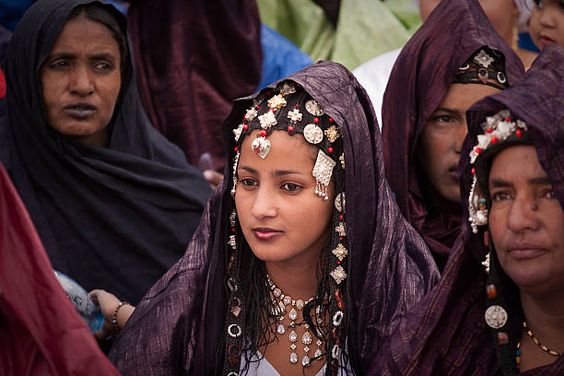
(313, 134)
(495, 316)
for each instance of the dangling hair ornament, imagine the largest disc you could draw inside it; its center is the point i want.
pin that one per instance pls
(497, 128)
(322, 172)
(235, 165)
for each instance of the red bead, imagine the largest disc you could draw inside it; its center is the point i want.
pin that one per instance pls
(330, 149)
(508, 119)
(257, 107)
(341, 217)
(316, 120)
(489, 130)
(518, 133)
(331, 120)
(290, 129)
(236, 149)
(491, 291)
(341, 238)
(245, 127)
(473, 171)
(493, 140)
(477, 150)
(297, 106)
(338, 262)
(262, 133)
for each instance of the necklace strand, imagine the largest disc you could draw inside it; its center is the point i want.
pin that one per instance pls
(280, 305)
(537, 342)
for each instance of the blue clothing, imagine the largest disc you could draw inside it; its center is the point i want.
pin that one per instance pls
(280, 57)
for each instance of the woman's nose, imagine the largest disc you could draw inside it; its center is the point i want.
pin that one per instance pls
(264, 204)
(80, 82)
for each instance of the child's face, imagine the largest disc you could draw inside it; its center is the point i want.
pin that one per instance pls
(546, 24)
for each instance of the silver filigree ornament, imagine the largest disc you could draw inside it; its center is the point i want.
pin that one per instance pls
(267, 120)
(237, 132)
(251, 114)
(322, 172)
(340, 202)
(314, 108)
(486, 263)
(495, 316)
(477, 207)
(287, 88)
(261, 146)
(277, 102)
(340, 252)
(235, 165)
(313, 134)
(339, 274)
(295, 115)
(483, 59)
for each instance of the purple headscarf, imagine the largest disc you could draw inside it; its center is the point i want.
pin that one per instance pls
(447, 334)
(178, 327)
(421, 77)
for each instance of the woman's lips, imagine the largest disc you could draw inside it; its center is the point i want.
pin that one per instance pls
(546, 41)
(80, 111)
(526, 252)
(266, 233)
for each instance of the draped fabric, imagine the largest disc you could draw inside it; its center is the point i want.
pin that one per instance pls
(178, 327)
(115, 218)
(446, 334)
(193, 58)
(419, 81)
(40, 332)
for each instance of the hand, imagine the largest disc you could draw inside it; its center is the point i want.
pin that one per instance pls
(108, 304)
(214, 178)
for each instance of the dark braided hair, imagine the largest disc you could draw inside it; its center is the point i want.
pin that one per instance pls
(249, 322)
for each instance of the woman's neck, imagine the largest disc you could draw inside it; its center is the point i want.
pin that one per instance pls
(545, 317)
(298, 280)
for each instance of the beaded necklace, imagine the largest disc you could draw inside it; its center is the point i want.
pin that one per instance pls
(284, 304)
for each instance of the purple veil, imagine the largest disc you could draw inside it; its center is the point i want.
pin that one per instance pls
(446, 334)
(178, 327)
(419, 81)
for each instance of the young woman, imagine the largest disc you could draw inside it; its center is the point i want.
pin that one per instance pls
(498, 309)
(115, 203)
(454, 59)
(302, 263)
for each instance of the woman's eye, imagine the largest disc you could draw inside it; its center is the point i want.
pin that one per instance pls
(500, 196)
(59, 64)
(291, 187)
(443, 119)
(249, 183)
(105, 67)
(549, 193)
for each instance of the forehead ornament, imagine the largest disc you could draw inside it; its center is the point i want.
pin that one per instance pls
(237, 132)
(251, 114)
(261, 146)
(295, 115)
(267, 120)
(483, 59)
(287, 88)
(313, 134)
(497, 129)
(314, 108)
(277, 102)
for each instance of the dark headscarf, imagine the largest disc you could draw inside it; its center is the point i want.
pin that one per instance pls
(115, 218)
(447, 334)
(193, 58)
(40, 331)
(389, 269)
(421, 77)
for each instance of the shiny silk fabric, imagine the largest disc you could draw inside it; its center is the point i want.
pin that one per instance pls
(193, 58)
(447, 334)
(419, 81)
(40, 331)
(114, 218)
(178, 327)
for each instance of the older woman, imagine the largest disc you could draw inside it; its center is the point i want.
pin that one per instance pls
(510, 318)
(114, 203)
